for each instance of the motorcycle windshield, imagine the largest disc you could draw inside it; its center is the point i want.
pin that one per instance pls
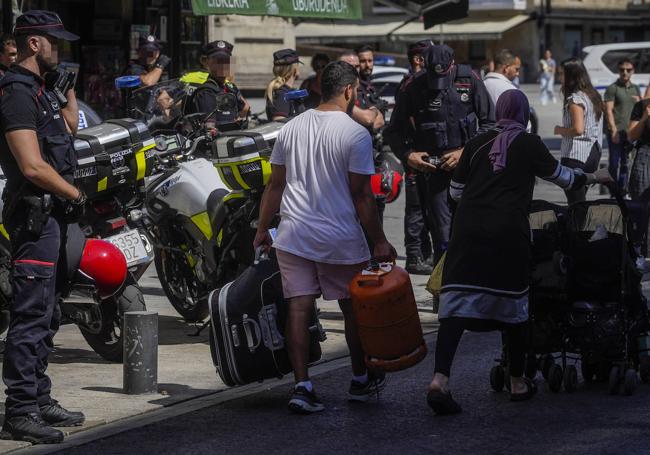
(161, 103)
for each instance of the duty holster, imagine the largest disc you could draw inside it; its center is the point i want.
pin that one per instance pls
(38, 210)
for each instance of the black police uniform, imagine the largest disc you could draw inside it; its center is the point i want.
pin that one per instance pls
(417, 240)
(368, 97)
(38, 257)
(281, 107)
(448, 105)
(203, 100)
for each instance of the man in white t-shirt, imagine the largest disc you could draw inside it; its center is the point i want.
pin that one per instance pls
(322, 162)
(506, 70)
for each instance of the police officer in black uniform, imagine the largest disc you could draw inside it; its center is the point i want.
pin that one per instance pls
(417, 240)
(435, 116)
(150, 63)
(285, 63)
(37, 158)
(203, 98)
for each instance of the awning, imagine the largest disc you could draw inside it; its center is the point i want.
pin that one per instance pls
(318, 9)
(469, 29)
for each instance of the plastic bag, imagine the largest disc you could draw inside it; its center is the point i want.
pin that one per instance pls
(434, 285)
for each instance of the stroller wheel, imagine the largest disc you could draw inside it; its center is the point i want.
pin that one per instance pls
(614, 379)
(546, 362)
(645, 373)
(630, 381)
(570, 379)
(497, 378)
(555, 376)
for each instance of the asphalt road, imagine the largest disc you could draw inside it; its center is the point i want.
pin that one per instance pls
(587, 421)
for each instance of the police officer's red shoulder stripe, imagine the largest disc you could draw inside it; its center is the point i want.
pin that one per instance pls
(34, 261)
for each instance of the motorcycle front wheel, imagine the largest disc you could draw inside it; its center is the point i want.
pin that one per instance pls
(108, 342)
(181, 285)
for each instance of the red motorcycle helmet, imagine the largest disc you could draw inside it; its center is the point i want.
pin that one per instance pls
(105, 264)
(386, 183)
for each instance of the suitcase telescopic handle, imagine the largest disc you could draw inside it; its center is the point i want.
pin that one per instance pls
(253, 333)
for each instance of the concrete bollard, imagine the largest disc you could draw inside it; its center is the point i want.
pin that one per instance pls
(140, 332)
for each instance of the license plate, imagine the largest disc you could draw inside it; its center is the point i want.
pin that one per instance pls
(131, 245)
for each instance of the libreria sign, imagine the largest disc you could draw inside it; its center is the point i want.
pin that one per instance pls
(325, 9)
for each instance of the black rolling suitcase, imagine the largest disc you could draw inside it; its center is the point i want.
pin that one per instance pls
(247, 329)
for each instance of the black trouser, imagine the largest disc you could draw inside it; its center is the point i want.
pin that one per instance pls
(433, 190)
(417, 241)
(451, 330)
(35, 313)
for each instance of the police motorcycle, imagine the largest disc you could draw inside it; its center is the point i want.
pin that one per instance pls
(203, 209)
(176, 206)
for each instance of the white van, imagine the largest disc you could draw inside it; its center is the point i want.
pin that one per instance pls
(601, 61)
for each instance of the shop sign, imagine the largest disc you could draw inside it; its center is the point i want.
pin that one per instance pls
(321, 9)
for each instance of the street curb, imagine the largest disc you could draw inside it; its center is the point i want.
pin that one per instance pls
(191, 405)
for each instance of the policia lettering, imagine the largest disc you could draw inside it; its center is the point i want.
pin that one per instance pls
(437, 113)
(34, 219)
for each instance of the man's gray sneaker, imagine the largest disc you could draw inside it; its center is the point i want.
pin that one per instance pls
(362, 392)
(305, 402)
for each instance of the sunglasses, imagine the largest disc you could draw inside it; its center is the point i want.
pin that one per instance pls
(626, 70)
(319, 67)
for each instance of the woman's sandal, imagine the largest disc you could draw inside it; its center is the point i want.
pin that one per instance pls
(528, 394)
(442, 403)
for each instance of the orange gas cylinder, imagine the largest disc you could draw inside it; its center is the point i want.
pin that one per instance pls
(387, 317)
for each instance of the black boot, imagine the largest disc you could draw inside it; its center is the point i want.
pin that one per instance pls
(31, 428)
(57, 416)
(417, 266)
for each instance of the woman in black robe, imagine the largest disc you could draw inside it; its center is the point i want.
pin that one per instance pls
(485, 277)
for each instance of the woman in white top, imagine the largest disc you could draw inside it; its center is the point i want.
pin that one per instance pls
(582, 123)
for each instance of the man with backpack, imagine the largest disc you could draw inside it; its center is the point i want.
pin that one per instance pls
(434, 117)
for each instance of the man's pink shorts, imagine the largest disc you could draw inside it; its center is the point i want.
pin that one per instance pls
(302, 277)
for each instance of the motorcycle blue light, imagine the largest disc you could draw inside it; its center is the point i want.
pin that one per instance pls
(127, 82)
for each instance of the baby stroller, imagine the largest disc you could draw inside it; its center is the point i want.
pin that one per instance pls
(585, 298)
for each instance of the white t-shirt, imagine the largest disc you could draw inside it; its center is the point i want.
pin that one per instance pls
(318, 219)
(496, 84)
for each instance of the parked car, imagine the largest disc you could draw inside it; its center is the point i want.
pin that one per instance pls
(386, 80)
(601, 61)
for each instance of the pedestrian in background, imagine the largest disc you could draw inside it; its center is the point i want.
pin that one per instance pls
(322, 162)
(620, 98)
(548, 67)
(506, 69)
(312, 83)
(486, 274)
(8, 52)
(582, 123)
(639, 132)
(286, 69)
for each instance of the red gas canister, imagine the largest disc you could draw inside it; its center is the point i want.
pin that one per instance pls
(387, 317)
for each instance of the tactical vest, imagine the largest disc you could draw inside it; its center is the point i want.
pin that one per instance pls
(53, 138)
(207, 89)
(445, 119)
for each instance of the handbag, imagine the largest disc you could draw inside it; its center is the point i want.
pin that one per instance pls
(434, 285)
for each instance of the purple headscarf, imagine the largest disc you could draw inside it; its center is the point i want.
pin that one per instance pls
(512, 113)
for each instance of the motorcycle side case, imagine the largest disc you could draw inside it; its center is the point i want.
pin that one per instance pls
(247, 335)
(242, 157)
(113, 155)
